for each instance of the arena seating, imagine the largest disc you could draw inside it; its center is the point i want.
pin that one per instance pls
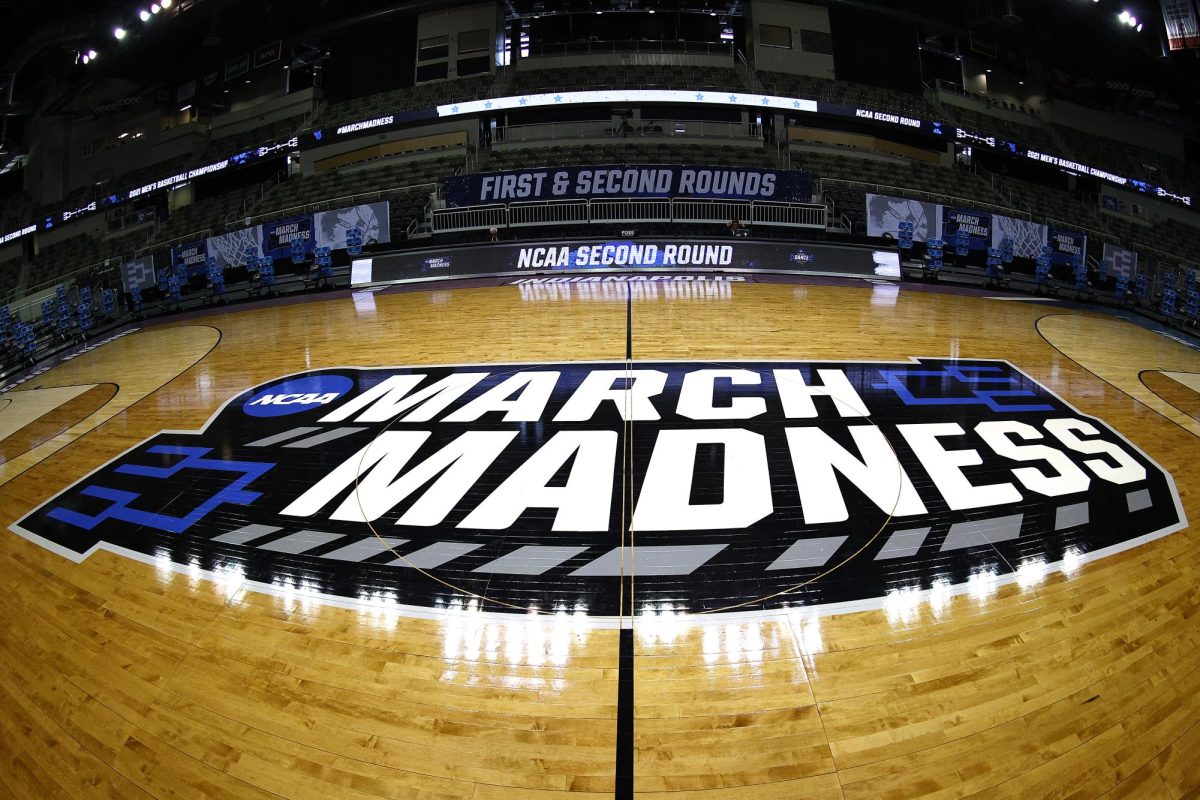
(410, 98)
(847, 93)
(10, 272)
(633, 151)
(208, 214)
(77, 253)
(393, 173)
(573, 79)
(846, 172)
(220, 147)
(1033, 134)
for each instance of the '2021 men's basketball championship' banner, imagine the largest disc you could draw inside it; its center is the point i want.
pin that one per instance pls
(751, 486)
(884, 215)
(977, 224)
(643, 180)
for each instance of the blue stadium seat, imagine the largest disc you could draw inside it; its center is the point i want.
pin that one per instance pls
(83, 310)
(266, 274)
(936, 252)
(962, 243)
(323, 264)
(1191, 305)
(25, 340)
(108, 303)
(216, 280)
(1167, 305)
(354, 241)
(1079, 270)
(995, 268)
(174, 291)
(1042, 279)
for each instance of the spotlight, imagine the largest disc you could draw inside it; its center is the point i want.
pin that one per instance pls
(84, 58)
(1139, 27)
(144, 15)
(91, 54)
(165, 3)
(119, 33)
(154, 9)
(1124, 17)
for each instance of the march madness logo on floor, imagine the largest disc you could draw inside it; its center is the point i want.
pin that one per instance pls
(754, 485)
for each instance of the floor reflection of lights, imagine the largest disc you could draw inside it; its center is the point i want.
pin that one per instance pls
(529, 652)
(1032, 573)
(614, 291)
(297, 594)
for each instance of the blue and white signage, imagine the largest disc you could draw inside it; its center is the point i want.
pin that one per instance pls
(643, 180)
(770, 102)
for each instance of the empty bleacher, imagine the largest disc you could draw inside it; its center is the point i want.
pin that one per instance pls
(847, 93)
(411, 98)
(637, 151)
(630, 76)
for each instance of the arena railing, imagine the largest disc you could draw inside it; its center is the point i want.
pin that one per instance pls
(703, 129)
(548, 212)
(648, 210)
(686, 210)
(470, 218)
(929, 197)
(429, 189)
(812, 216)
(789, 214)
(632, 46)
(25, 303)
(1094, 234)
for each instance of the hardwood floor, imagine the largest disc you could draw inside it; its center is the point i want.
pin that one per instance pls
(134, 678)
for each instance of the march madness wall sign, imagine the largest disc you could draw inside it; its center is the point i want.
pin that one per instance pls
(846, 480)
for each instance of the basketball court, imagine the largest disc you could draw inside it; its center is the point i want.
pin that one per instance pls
(669, 536)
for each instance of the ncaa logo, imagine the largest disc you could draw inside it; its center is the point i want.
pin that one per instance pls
(302, 394)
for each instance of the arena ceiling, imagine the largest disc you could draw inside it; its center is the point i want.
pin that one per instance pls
(43, 40)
